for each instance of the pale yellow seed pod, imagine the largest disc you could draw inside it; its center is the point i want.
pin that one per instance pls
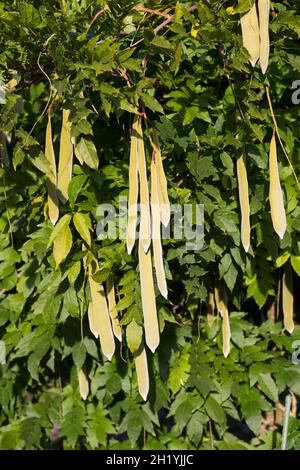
(53, 205)
(101, 315)
(65, 164)
(221, 303)
(244, 200)
(141, 366)
(288, 298)
(148, 298)
(83, 384)
(92, 320)
(165, 212)
(250, 33)
(145, 225)
(210, 308)
(111, 297)
(156, 233)
(133, 187)
(264, 16)
(275, 193)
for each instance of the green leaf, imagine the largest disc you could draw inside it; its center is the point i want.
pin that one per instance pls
(268, 386)
(195, 428)
(134, 425)
(295, 262)
(134, 336)
(86, 151)
(82, 223)
(152, 103)
(75, 187)
(214, 410)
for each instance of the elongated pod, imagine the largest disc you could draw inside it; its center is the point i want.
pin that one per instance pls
(221, 303)
(141, 366)
(53, 207)
(288, 298)
(275, 192)
(161, 182)
(83, 384)
(93, 320)
(244, 199)
(210, 303)
(101, 315)
(111, 297)
(156, 234)
(65, 164)
(145, 226)
(133, 187)
(148, 298)
(250, 33)
(264, 15)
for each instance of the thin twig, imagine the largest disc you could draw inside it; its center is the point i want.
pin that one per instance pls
(288, 401)
(163, 25)
(136, 8)
(153, 12)
(278, 135)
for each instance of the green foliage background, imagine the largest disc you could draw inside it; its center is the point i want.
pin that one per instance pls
(193, 78)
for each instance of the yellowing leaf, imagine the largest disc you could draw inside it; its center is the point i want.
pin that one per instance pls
(82, 223)
(65, 220)
(62, 245)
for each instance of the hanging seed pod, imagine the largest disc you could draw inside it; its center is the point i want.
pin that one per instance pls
(164, 203)
(156, 234)
(141, 366)
(210, 308)
(101, 319)
(133, 187)
(250, 33)
(148, 298)
(53, 207)
(92, 320)
(83, 384)
(65, 164)
(244, 200)
(145, 227)
(264, 14)
(111, 297)
(288, 298)
(275, 192)
(221, 303)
